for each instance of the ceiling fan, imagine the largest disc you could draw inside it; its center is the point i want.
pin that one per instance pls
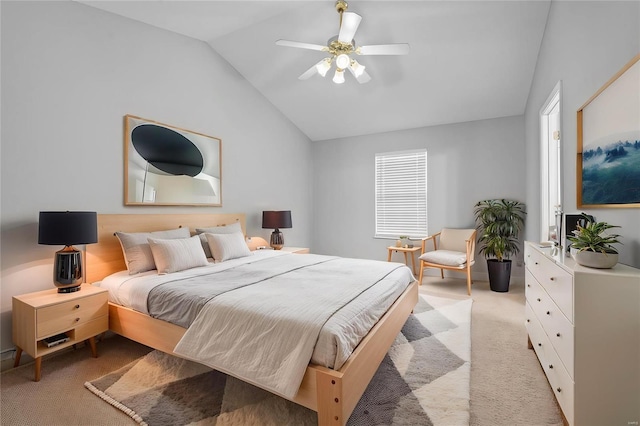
(342, 46)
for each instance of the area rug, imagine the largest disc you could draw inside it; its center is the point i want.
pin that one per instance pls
(423, 380)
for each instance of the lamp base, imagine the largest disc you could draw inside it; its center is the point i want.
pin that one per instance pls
(277, 240)
(67, 270)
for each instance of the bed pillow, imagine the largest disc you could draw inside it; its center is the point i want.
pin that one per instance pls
(224, 229)
(136, 250)
(445, 257)
(227, 246)
(177, 254)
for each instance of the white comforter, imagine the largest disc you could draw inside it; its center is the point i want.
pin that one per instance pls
(265, 333)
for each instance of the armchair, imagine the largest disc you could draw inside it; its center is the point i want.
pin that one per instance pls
(453, 249)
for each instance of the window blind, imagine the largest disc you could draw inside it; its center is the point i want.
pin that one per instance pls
(401, 194)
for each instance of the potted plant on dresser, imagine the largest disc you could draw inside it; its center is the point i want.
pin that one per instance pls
(591, 245)
(499, 223)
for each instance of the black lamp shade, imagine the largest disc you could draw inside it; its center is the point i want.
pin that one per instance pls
(67, 228)
(276, 219)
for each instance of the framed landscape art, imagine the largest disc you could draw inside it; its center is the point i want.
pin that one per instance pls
(608, 154)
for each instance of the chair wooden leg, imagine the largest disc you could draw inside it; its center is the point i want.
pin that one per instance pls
(469, 282)
(421, 273)
(442, 273)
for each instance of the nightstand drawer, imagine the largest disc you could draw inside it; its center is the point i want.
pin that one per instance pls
(91, 328)
(64, 316)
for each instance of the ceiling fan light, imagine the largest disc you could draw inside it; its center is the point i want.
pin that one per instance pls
(338, 77)
(323, 66)
(342, 61)
(357, 68)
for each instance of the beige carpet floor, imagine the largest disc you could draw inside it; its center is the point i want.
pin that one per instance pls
(508, 386)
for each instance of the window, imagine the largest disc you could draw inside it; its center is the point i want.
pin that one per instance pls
(551, 167)
(401, 194)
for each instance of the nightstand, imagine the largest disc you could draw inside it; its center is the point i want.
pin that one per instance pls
(36, 316)
(297, 250)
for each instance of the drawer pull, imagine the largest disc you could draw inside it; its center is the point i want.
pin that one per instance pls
(540, 344)
(559, 390)
(548, 313)
(528, 320)
(77, 307)
(550, 365)
(558, 334)
(538, 299)
(77, 319)
(535, 263)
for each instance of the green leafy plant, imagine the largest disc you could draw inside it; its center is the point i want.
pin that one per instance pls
(592, 236)
(499, 223)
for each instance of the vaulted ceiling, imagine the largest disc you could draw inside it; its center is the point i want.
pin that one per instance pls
(469, 60)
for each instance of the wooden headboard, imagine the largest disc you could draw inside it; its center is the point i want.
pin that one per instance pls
(105, 257)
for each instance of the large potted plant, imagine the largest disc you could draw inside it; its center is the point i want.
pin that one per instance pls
(499, 223)
(591, 244)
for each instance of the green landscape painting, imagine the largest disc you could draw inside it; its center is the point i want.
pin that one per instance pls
(611, 173)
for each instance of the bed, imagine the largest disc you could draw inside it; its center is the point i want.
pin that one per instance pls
(333, 394)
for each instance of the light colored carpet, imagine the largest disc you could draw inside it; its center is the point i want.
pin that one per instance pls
(508, 386)
(424, 380)
(59, 398)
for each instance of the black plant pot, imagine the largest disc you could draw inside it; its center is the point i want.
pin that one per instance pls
(499, 274)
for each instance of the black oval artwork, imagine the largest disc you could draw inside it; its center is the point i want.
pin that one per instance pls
(167, 150)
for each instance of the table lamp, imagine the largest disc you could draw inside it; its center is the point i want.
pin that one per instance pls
(276, 220)
(67, 228)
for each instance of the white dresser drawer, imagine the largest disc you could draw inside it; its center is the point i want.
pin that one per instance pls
(558, 329)
(555, 325)
(539, 341)
(533, 290)
(556, 281)
(558, 377)
(561, 383)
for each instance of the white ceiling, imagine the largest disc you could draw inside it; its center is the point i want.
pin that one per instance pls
(469, 60)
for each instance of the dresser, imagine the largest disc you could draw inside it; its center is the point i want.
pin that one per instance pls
(74, 316)
(584, 325)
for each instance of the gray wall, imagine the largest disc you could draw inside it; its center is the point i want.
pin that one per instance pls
(467, 162)
(584, 45)
(69, 74)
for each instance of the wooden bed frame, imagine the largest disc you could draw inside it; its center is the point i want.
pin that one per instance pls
(333, 394)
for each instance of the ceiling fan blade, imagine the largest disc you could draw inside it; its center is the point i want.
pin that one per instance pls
(309, 73)
(384, 49)
(349, 26)
(288, 43)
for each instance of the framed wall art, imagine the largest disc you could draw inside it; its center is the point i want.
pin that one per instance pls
(608, 154)
(165, 165)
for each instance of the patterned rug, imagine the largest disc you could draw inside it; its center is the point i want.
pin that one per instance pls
(423, 380)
